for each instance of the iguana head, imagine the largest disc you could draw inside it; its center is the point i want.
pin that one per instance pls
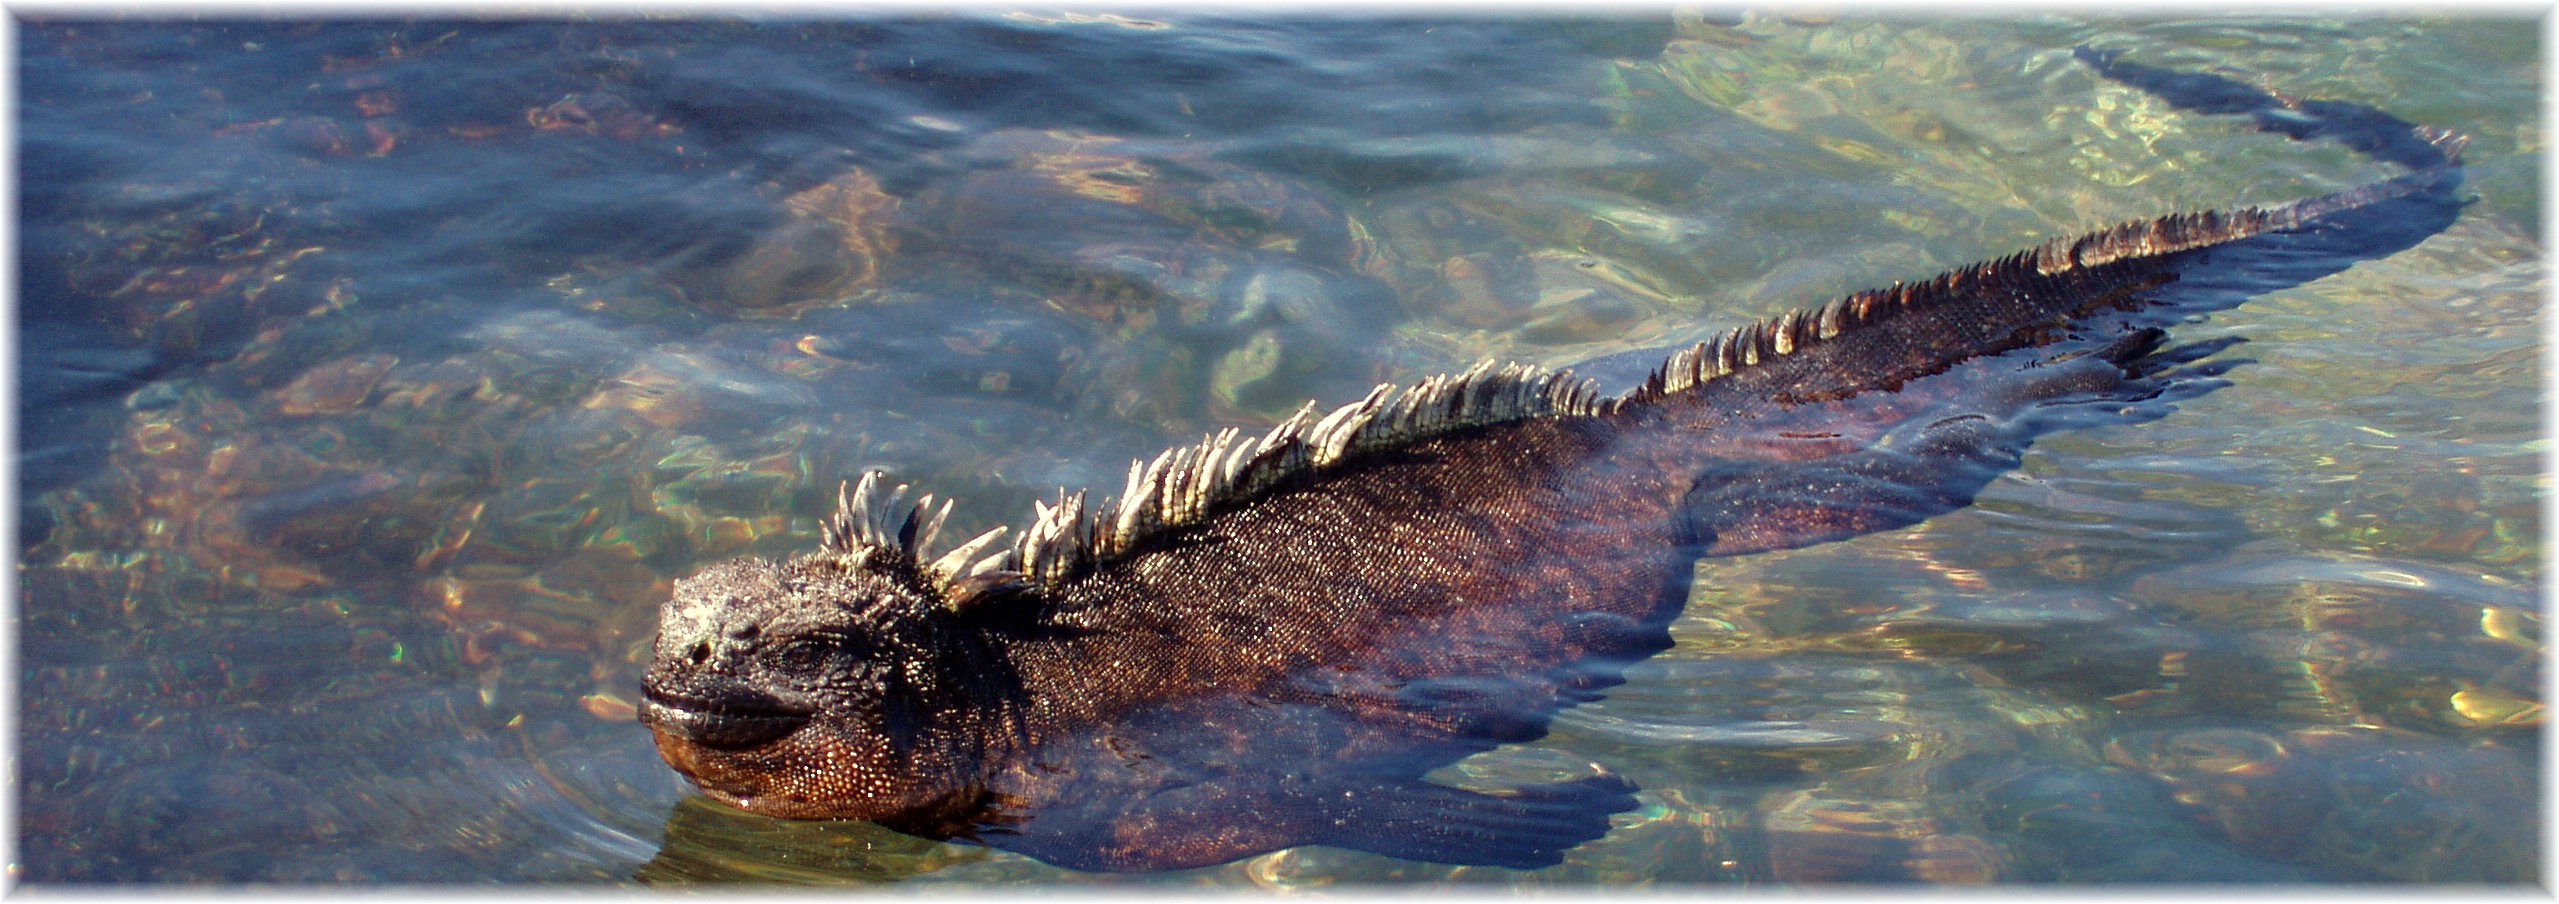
(829, 686)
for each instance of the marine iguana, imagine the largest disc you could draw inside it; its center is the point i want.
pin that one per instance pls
(1267, 641)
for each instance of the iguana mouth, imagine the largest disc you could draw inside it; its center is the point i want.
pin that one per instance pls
(722, 718)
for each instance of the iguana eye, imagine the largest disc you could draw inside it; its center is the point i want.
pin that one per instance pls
(804, 653)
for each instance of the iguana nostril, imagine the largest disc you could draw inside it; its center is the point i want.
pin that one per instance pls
(700, 653)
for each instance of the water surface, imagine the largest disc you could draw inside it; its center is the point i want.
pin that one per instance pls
(377, 377)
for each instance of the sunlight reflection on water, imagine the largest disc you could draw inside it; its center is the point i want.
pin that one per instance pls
(378, 378)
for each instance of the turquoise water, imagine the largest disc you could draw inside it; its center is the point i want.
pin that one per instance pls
(376, 378)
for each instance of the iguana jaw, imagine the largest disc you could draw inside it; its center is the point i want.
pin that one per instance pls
(818, 773)
(722, 715)
(719, 737)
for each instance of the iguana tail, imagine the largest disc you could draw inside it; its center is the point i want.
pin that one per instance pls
(1893, 405)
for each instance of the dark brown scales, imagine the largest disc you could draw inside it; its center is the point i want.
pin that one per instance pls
(1267, 641)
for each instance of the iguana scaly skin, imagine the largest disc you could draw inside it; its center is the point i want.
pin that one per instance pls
(1267, 641)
